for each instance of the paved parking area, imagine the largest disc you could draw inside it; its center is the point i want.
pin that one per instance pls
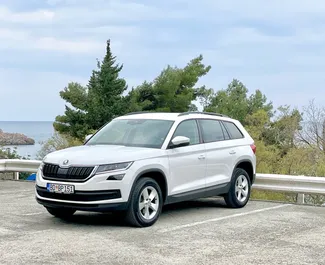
(200, 232)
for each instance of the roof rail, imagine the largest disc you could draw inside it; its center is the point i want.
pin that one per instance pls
(202, 112)
(143, 112)
(137, 112)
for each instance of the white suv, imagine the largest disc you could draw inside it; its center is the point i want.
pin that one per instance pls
(141, 161)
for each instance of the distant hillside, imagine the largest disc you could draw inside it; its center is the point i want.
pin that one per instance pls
(15, 139)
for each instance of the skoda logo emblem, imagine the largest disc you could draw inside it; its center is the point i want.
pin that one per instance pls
(65, 162)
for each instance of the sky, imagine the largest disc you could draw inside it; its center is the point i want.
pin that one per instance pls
(275, 46)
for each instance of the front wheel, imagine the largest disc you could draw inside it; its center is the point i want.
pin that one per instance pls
(240, 189)
(145, 203)
(60, 212)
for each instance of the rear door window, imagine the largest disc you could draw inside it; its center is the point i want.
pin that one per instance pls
(211, 130)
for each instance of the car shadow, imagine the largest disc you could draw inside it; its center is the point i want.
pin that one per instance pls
(214, 202)
(116, 219)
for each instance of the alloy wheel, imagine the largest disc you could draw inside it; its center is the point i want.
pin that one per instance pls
(148, 203)
(241, 188)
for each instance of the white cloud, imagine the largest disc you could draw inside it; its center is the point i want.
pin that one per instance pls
(73, 28)
(276, 11)
(251, 35)
(38, 16)
(15, 39)
(48, 43)
(113, 11)
(7, 34)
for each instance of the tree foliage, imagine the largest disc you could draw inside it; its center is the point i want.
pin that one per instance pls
(57, 142)
(282, 132)
(92, 106)
(173, 90)
(313, 127)
(235, 102)
(8, 153)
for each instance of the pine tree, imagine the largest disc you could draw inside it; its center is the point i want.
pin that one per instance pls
(173, 90)
(106, 89)
(97, 103)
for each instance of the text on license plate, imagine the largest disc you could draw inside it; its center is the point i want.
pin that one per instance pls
(60, 188)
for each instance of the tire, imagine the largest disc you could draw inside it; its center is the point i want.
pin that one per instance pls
(61, 212)
(232, 198)
(144, 215)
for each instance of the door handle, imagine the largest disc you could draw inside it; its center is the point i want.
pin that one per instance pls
(201, 157)
(232, 152)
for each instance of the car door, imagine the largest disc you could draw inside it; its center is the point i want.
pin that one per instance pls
(187, 163)
(219, 154)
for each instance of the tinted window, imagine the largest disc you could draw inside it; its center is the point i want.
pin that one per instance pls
(211, 131)
(233, 130)
(225, 133)
(133, 132)
(188, 129)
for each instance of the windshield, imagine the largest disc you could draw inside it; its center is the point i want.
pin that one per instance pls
(133, 132)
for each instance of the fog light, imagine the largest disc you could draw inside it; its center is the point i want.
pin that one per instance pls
(116, 177)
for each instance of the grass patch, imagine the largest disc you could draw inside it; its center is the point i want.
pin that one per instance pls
(273, 196)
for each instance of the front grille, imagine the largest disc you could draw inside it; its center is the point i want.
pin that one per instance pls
(55, 172)
(85, 196)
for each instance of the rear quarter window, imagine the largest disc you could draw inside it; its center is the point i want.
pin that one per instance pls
(233, 130)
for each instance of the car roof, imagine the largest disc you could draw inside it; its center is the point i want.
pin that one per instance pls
(173, 115)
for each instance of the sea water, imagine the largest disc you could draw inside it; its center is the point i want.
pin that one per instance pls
(40, 131)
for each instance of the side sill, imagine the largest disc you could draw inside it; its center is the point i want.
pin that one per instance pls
(216, 190)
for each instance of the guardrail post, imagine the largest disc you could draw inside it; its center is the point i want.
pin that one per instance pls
(16, 175)
(301, 198)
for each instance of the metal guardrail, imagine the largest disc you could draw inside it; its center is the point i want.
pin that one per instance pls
(271, 182)
(289, 183)
(292, 184)
(18, 165)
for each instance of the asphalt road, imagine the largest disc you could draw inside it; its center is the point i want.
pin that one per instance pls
(200, 232)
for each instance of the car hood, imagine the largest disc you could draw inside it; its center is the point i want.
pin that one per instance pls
(101, 154)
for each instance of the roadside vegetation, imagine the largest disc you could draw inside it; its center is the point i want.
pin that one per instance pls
(11, 153)
(288, 141)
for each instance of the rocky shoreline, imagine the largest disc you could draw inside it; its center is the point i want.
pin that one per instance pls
(15, 139)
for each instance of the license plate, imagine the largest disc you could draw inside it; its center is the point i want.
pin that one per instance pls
(60, 188)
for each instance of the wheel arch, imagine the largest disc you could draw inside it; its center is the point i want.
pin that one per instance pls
(158, 175)
(247, 165)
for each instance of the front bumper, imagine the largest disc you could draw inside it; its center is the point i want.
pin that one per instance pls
(80, 196)
(93, 207)
(96, 194)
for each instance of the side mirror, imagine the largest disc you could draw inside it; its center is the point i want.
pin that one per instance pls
(88, 137)
(179, 141)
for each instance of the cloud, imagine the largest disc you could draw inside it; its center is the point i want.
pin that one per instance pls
(276, 11)
(53, 44)
(251, 35)
(276, 46)
(22, 40)
(37, 16)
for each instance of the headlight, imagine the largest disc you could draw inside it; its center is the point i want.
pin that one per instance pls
(41, 166)
(113, 167)
(42, 163)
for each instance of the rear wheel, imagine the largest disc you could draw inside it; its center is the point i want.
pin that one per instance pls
(240, 189)
(61, 212)
(145, 203)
